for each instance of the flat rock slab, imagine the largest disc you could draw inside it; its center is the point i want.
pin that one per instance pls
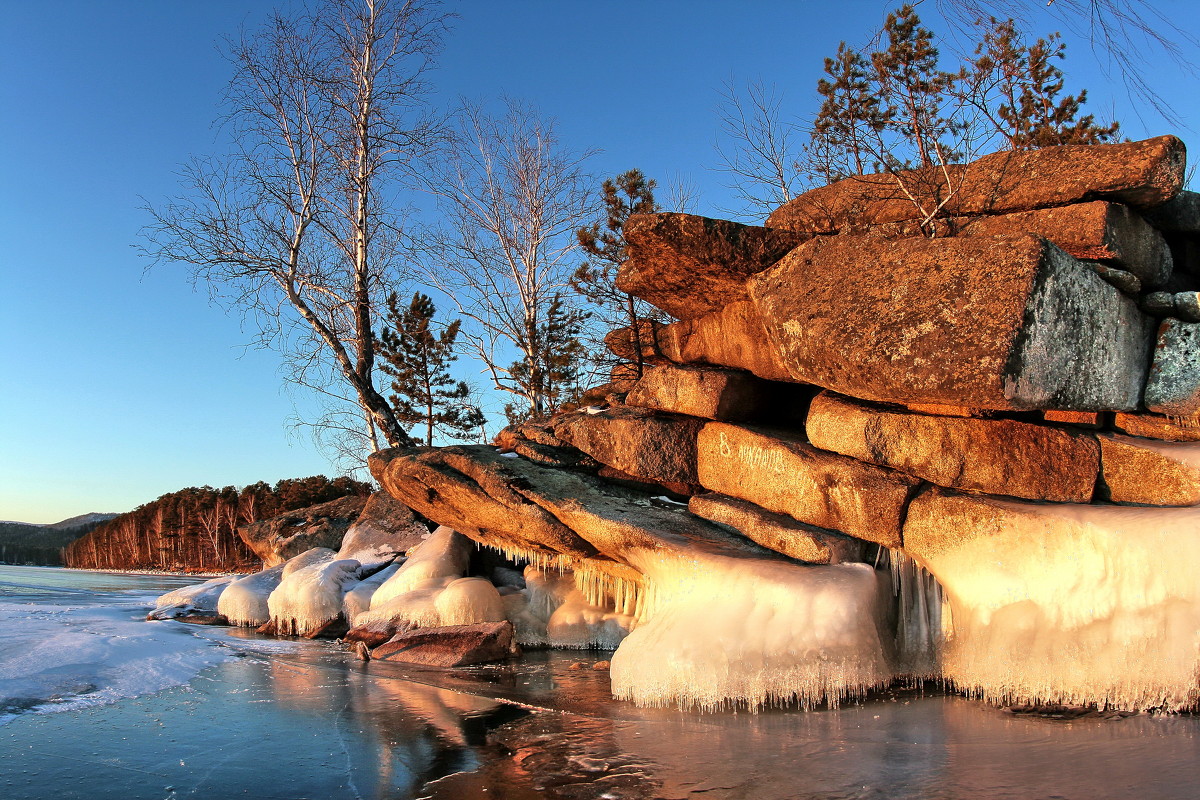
(782, 473)
(474, 490)
(778, 532)
(1150, 472)
(641, 443)
(1006, 322)
(1139, 174)
(515, 505)
(996, 456)
(689, 265)
(1173, 386)
(698, 391)
(1158, 426)
(1096, 231)
(451, 645)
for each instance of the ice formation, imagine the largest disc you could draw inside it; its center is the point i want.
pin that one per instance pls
(358, 599)
(725, 631)
(552, 611)
(244, 601)
(1075, 604)
(310, 596)
(199, 599)
(466, 601)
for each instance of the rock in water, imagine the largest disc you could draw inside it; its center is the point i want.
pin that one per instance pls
(451, 646)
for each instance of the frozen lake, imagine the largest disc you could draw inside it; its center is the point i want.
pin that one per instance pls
(97, 703)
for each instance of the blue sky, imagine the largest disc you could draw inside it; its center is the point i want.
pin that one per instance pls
(119, 384)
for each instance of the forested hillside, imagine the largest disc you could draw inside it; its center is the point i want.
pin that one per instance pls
(26, 543)
(195, 529)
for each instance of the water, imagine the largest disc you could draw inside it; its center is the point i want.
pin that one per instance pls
(114, 707)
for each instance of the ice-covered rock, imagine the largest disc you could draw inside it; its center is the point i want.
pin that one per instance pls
(198, 600)
(308, 600)
(384, 530)
(358, 598)
(244, 601)
(1063, 603)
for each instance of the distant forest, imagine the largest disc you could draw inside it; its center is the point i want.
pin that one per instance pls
(195, 529)
(25, 543)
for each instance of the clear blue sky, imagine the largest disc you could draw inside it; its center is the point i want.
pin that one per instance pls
(118, 385)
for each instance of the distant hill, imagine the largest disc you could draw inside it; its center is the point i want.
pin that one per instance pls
(42, 544)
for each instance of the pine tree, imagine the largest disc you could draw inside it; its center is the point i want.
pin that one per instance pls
(850, 119)
(418, 359)
(554, 380)
(1017, 87)
(629, 193)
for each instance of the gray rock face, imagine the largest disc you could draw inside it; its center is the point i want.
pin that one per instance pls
(279, 538)
(1174, 383)
(386, 528)
(1180, 214)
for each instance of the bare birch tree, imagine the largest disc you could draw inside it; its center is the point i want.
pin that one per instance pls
(292, 226)
(511, 198)
(761, 150)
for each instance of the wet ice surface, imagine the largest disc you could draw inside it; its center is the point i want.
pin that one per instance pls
(290, 719)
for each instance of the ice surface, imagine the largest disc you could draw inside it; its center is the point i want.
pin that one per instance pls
(310, 597)
(750, 632)
(1075, 604)
(201, 598)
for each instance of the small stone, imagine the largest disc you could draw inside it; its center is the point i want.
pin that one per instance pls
(601, 666)
(576, 665)
(1127, 282)
(1158, 304)
(1187, 306)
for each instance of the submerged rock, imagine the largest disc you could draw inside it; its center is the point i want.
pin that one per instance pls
(451, 646)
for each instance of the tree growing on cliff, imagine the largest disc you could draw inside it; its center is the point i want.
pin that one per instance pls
(418, 360)
(562, 363)
(293, 227)
(604, 242)
(512, 196)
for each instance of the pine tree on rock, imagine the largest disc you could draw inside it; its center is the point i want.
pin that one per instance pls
(554, 381)
(1017, 86)
(629, 193)
(418, 359)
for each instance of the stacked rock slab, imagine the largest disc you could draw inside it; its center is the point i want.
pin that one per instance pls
(998, 394)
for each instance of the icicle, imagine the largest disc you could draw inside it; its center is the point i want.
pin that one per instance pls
(920, 626)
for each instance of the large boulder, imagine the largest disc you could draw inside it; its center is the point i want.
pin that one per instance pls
(1006, 322)
(1140, 174)
(996, 456)
(279, 538)
(385, 529)
(783, 473)
(689, 265)
(1180, 214)
(641, 443)
(451, 645)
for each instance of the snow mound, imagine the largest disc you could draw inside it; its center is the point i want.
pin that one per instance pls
(310, 597)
